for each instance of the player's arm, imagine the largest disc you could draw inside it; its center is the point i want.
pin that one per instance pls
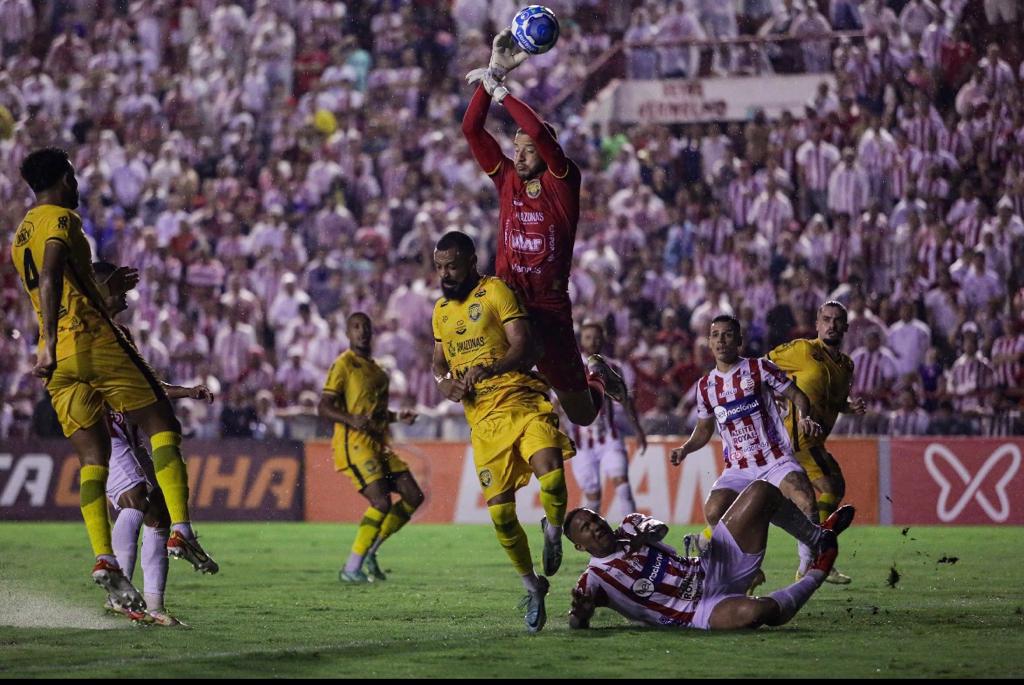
(180, 392)
(547, 147)
(51, 290)
(700, 436)
(521, 354)
(452, 388)
(808, 426)
(328, 408)
(485, 148)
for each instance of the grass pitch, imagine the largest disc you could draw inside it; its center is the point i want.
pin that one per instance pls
(449, 610)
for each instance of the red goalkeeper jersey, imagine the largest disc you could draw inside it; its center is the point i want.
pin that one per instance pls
(538, 217)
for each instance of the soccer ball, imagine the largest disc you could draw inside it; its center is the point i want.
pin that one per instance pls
(535, 29)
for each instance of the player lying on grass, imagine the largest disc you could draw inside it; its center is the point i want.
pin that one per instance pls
(483, 352)
(634, 573)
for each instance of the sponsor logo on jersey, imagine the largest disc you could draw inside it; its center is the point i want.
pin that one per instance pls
(531, 217)
(479, 293)
(529, 243)
(747, 383)
(485, 478)
(654, 570)
(643, 588)
(24, 234)
(475, 310)
(533, 188)
(737, 409)
(444, 319)
(468, 345)
(460, 327)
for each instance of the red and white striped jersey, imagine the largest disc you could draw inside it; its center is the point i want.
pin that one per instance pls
(968, 380)
(873, 374)
(1007, 373)
(742, 404)
(652, 585)
(817, 162)
(603, 430)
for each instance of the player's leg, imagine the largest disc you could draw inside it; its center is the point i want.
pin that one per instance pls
(411, 497)
(155, 532)
(511, 536)
(798, 489)
(615, 467)
(549, 468)
(719, 500)
(378, 495)
(92, 445)
(586, 470)
(131, 505)
(830, 488)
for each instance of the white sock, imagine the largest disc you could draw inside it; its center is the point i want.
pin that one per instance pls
(624, 500)
(154, 565)
(124, 538)
(791, 598)
(354, 563)
(109, 558)
(552, 532)
(531, 582)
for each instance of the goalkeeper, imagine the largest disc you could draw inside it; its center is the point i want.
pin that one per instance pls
(539, 207)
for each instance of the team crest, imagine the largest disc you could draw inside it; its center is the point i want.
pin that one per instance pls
(747, 383)
(533, 188)
(23, 235)
(475, 310)
(485, 478)
(643, 588)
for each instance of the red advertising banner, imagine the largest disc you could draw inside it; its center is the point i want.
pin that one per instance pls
(957, 481)
(229, 480)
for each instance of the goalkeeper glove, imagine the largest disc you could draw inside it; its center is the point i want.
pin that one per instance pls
(506, 54)
(494, 86)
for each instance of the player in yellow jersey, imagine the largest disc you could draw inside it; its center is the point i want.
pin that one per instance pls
(355, 397)
(483, 352)
(88, 364)
(825, 374)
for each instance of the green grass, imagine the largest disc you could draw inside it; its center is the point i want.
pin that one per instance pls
(449, 609)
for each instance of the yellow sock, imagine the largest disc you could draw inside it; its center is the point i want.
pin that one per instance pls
(171, 475)
(93, 498)
(399, 515)
(827, 503)
(706, 533)
(553, 496)
(369, 529)
(512, 536)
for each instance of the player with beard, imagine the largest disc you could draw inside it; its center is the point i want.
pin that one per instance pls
(825, 374)
(539, 207)
(355, 398)
(483, 353)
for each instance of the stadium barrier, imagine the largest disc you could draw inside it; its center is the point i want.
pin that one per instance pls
(899, 481)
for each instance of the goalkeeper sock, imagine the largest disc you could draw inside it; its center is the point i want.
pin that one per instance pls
(512, 536)
(93, 501)
(399, 515)
(554, 497)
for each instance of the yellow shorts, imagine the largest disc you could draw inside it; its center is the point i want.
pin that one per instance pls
(502, 448)
(817, 462)
(105, 374)
(364, 459)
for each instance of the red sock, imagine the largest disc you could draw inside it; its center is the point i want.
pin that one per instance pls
(596, 384)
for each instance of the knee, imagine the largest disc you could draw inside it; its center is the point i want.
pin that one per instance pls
(713, 512)
(414, 498)
(381, 503)
(754, 614)
(157, 518)
(618, 480)
(134, 499)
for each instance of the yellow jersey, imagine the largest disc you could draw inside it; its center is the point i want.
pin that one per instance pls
(82, 320)
(363, 387)
(826, 382)
(472, 333)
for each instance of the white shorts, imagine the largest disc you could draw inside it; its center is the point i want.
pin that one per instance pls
(736, 479)
(127, 470)
(728, 571)
(591, 466)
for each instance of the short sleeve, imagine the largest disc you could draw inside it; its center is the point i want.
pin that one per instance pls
(774, 376)
(336, 377)
(505, 303)
(789, 356)
(59, 227)
(703, 407)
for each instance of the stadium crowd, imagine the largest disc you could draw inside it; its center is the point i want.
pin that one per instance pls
(272, 166)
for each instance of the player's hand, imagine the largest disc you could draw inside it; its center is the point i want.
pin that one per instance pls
(125, 278)
(810, 427)
(582, 608)
(201, 392)
(506, 54)
(494, 85)
(474, 375)
(359, 422)
(677, 455)
(407, 416)
(46, 363)
(858, 406)
(452, 389)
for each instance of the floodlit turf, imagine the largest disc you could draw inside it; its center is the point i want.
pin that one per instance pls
(449, 610)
